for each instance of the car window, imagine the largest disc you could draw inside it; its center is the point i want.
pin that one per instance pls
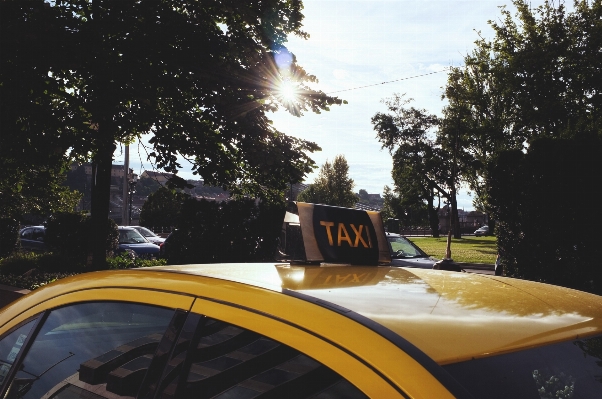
(571, 369)
(108, 345)
(131, 237)
(402, 248)
(27, 234)
(10, 347)
(145, 232)
(218, 360)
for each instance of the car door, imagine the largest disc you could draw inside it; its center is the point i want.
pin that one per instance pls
(53, 348)
(111, 349)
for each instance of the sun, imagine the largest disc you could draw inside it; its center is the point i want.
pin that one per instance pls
(287, 91)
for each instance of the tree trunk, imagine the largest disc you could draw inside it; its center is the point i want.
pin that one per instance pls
(101, 195)
(454, 216)
(433, 215)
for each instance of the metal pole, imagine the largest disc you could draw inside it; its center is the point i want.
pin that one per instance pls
(126, 168)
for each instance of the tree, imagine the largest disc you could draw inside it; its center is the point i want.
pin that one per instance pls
(162, 208)
(407, 209)
(332, 186)
(422, 169)
(200, 76)
(538, 77)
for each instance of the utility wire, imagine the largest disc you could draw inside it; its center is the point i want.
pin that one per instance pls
(384, 83)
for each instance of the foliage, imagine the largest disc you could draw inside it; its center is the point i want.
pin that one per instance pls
(9, 236)
(28, 189)
(68, 235)
(465, 250)
(77, 180)
(542, 200)
(408, 210)
(333, 186)
(126, 261)
(199, 76)
(230, 231)
(538, 77)
(162, 208)
(27, 263)
(31, 282)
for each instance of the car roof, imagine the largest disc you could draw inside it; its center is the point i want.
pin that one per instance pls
(450, 316)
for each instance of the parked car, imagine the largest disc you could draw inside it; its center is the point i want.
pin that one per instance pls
(131, 239)
(482, 231)
(32, 238)
(149, 235)
(406, 253)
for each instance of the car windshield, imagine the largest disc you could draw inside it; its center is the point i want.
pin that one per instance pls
(145, 232)
(570, 369)
(402, 248)
(131, 236)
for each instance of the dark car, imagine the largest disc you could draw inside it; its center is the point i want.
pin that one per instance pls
(407, 254)
(482, 231)
(149, 235)
(32, 238)
(131, 239)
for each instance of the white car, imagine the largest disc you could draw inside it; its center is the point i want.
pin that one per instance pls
(482, 231)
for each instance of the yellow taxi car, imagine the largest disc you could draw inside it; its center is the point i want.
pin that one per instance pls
(302, 330)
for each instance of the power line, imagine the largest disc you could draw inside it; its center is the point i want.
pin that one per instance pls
(390, 81)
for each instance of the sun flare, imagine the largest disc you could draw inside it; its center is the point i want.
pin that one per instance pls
(288, 92)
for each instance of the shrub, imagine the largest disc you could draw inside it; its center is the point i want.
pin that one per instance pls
(33, 281)
(547, 229)
(68, 235)
(127, 260)
(19, 263)
(219, 232)
(9, 235)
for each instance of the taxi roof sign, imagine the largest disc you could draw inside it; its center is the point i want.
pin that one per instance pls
(317, 233)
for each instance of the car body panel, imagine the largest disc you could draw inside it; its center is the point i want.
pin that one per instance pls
(422, 263)
(309, 328)
(420, 305)
(131, 239)
(32, 238)
(448, 316)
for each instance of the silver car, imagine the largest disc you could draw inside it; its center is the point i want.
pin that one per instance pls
(149, 235)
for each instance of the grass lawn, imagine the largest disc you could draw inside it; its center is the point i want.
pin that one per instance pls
(467, 249)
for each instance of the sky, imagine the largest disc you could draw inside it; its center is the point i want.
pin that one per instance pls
(365, 51)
